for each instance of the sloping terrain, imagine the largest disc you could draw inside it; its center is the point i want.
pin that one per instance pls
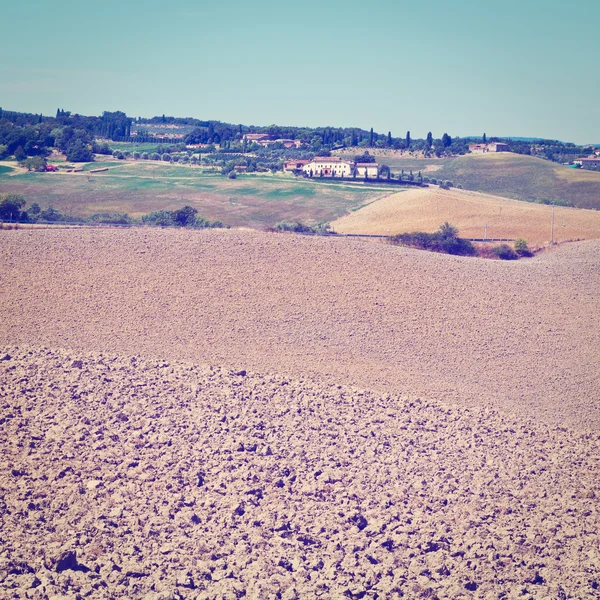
(521, 335)
(125, 478)
(474, 214)
(507, 174)
(228, 414)
(139, 187)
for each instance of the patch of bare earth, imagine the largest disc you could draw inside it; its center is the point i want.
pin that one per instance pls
(133, 469)
(142, 479)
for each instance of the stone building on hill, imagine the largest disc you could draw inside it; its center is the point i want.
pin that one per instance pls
(329, 166)
(591, 163)
(334, 166)
(491, 147)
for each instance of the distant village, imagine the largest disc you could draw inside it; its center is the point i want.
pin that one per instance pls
(331, 167)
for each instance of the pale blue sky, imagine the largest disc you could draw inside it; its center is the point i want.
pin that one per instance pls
(509, 67)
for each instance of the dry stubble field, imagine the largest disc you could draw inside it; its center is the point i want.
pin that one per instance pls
(188, 415)
(427, 208)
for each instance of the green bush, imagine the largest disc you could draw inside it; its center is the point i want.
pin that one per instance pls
(184, 217)
(10, 207)
(505, 252)
(110, 219)
(295, 227)
(521, 247)
(445, 240)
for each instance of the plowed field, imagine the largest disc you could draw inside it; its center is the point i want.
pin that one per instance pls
(226, 414)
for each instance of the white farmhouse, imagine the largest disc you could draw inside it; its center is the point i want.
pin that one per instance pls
(367, 170)
(328, 166)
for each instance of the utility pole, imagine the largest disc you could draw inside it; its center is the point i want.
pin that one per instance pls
(552, 230)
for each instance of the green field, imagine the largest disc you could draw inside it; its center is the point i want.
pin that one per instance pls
(138, 187)
(511, 175)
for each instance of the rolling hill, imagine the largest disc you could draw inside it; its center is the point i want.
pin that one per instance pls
(511, 175)
(425, 209)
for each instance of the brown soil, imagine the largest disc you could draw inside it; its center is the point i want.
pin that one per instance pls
(521, 335)
(470, 470)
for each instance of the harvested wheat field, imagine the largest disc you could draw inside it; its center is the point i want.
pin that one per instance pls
(426, 209)
(227, 414)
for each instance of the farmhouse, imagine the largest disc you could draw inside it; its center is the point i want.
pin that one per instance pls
(257, 137)
(292, 166)
(491, 147)
(478, 148)
(329, 166)
(264, 140)
(592, 162)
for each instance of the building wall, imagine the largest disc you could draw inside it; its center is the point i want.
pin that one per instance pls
(372, 171)
(590, 163)
(329, 169)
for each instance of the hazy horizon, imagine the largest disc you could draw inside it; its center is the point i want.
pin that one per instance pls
(519, 67)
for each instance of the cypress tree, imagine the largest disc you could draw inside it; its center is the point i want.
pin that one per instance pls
(371, 138)
(408, 139)
(389, 140)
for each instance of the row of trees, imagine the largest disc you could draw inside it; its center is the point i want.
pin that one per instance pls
(12, 205)
(446, 240)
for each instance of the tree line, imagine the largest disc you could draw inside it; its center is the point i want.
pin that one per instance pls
(25, 135)
(12, 210)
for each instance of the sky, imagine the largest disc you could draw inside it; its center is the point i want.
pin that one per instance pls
(526, 68)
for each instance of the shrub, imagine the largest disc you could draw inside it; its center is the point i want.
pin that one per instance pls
(294, 226)
(232, 175)
(10, 206)
(184, 217)
(485, 251)
(36, 163)
(52, 215)
(110, 219)
(144, 156)
(20, 154)
(521, 247)
(136, 155)
(445, 239)
(505, 252)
